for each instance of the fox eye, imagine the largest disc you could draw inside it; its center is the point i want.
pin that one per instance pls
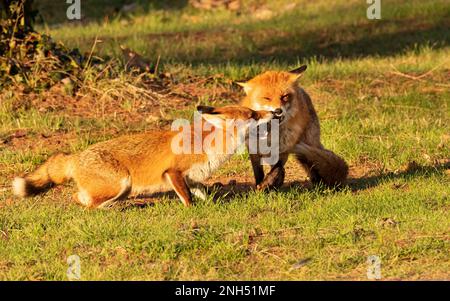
(286, 97)
(267, 98)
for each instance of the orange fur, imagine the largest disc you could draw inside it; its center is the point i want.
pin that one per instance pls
(299, 132)
(129, 165)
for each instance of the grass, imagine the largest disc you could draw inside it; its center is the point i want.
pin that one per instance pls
(381, 91)
(242, 45)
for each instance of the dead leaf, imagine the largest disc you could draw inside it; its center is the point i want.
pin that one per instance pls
(4, 235)
(194, 226)
(400, 186)
(19, 134)
(300, 263)
(387, 221)
(121, 251)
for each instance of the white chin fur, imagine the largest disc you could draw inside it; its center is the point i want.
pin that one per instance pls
(19, 187)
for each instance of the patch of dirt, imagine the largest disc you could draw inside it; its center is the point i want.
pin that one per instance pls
(216, 88)
(127, 102)
(48, 142)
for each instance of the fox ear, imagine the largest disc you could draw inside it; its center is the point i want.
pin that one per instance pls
(215, 119)
(299, 70)
(247, 87)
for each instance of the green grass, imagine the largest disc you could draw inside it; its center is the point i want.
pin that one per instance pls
(256, 236)
(243, 45)
(375, 109)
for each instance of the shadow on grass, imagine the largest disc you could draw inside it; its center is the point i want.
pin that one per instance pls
(412, 171)
(54, 12)
(226, 193)
(265, 42)
(352, 41)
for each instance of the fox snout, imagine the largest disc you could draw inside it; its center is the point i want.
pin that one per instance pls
(278, 113)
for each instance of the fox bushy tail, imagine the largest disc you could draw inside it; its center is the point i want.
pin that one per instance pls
(56, 170)
(322, 165)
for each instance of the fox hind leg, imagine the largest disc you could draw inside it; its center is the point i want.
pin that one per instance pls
(309, 168)
(102, 182)
(102, 192)
(125, 185)
(322, 165)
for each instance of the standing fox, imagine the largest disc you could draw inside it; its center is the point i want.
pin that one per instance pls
(299, 133)
(110, 171)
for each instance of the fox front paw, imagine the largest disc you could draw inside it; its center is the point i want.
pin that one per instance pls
(273, 180)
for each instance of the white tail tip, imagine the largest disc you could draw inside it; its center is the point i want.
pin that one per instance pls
(19, 187)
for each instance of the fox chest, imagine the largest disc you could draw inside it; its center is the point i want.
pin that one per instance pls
(289, 135)
(202, 171)
(283, 138)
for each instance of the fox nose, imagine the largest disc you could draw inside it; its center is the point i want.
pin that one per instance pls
(278, 113)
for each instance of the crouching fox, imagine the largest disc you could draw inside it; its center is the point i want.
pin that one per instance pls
(111, 171)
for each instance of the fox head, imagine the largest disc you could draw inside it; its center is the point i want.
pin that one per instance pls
(236, 123)
(229, 116)
(273, 90)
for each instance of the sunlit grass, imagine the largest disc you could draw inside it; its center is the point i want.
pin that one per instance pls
(383, 107)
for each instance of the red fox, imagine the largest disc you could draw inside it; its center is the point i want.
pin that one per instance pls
(299, 132)
(111, 171)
